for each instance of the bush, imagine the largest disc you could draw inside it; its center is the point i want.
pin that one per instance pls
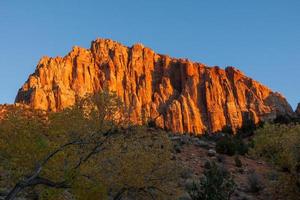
(287, 187)
(286, 119)
(177, 148)
(241, 147)
(247, 129)
(217, 184)
(238, 162)
(279, 145)
(283, 119)
(225, 146)
(231, 145)
(254, 183)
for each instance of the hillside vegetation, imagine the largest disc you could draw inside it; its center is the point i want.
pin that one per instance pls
(92, 151)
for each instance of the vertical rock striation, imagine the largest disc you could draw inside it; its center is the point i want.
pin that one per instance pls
(176, 94)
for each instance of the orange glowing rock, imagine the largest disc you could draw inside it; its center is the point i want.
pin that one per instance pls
(176, 94)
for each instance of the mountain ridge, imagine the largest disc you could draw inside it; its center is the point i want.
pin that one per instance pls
(177, 94)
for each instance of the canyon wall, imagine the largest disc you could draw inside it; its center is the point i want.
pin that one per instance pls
(177, 94)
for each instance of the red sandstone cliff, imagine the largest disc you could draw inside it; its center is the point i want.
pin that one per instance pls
(177, 94)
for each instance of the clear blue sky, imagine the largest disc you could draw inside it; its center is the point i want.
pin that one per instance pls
(260, 37)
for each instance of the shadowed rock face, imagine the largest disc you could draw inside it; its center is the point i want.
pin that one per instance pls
(298, 110)
(176, 94)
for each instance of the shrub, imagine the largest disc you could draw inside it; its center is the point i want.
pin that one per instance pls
(216, 184)
(231, 145)
(225, 146)
(286, 119)
(228, 130)
(283, 119)
(207, 164)
(247, 129)
(254, 183)
(287, 187)
(177, 148)
(279, 145)
(241, 147)
(238, 162)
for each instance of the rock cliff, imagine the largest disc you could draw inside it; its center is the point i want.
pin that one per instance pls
(298, 110)
(177, 94)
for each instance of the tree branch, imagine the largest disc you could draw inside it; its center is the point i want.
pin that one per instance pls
(34, 178)
(33, 182)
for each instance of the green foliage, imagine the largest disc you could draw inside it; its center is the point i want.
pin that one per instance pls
(248, 128)
(225, 146)
(25, 141)
(109, 158)
(287, 187)
(241, 147)
(279, 145)
(141, 160)
(22, 141)
(96, 190)
(231, 145)
(217, 184)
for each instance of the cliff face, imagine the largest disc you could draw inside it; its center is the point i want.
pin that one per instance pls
(298, 110)
(176, 94)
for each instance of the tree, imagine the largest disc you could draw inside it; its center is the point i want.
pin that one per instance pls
(52, 153)
(71, 152)
(140, 165)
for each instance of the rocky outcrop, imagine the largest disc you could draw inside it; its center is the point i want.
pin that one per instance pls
(176, 94)
(298, 110)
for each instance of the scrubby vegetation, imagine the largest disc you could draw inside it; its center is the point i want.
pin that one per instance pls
(216, 184)
(92, 151)
(279, 144)
(254, 183)
(231, 145)
(286, 119)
